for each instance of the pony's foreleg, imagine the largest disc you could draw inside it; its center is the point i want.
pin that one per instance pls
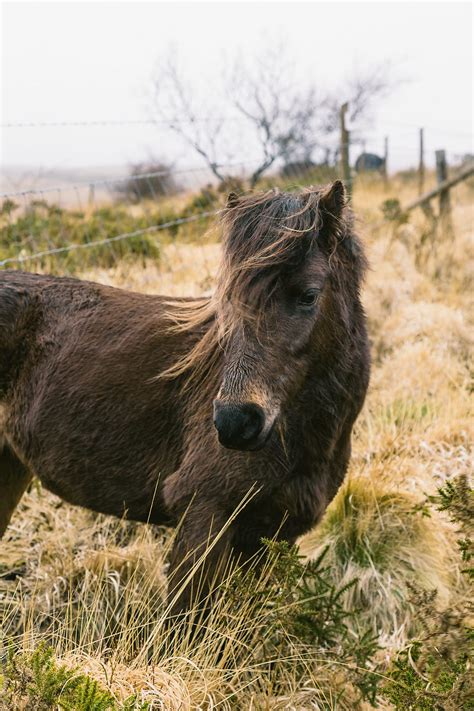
(14, 479)
(198, 560)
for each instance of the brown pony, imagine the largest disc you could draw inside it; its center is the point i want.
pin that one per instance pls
(136, 406)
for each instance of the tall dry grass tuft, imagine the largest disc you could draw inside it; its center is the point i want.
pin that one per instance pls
(102, 611)
(375, 534)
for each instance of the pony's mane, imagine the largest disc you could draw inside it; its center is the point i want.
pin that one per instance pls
(263, 235)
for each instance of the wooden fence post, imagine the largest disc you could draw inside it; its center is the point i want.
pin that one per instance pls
(421, 165)
(444, 200)
(462, 174)
(385, 159)
(345, 137)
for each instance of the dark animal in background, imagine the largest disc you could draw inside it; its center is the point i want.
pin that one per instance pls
(369, 162)
(297, 168)
(136, 406)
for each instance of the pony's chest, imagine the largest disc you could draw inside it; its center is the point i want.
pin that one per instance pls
(304, 498)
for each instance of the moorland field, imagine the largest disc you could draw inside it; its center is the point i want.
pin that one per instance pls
(380, 614)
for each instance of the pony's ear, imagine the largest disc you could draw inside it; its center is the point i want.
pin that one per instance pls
(232, 199)
(332, 203)
(333, 200)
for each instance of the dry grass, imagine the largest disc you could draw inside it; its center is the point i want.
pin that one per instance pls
(374, 534)
(91, 585)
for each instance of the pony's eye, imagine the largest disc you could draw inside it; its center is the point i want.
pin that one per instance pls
(308, 297)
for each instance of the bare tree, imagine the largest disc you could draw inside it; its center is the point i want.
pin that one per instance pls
(281, 113)
(177, 103)
(362, 90)
(286, 118)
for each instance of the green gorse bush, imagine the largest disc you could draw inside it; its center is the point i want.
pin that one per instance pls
(434, 672)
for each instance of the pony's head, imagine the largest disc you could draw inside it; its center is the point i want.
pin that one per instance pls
(291, 267)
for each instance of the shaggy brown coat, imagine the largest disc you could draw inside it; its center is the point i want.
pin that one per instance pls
(109, 396)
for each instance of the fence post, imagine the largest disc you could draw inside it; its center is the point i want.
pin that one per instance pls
(421, 165)
(345, 136)
(91, 199)
(444, 200)
(385, 159)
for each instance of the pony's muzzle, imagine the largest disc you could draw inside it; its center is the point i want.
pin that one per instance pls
(239, 425)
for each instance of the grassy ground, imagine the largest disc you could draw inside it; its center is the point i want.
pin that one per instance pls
(91, 587)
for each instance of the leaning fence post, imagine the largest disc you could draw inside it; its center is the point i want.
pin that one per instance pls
(444, 200)
(345, 136)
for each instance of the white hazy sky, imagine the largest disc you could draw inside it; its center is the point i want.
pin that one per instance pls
(74, 61)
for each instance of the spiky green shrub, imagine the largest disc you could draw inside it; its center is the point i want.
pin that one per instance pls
(35, 680)
(429, 682)
(298, 613)
(434, 671)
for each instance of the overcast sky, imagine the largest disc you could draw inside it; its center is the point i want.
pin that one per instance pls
(87, 61)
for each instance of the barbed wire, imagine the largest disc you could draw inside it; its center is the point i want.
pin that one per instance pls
(51, 250)
(122, 179)
(113, 181)
(20, 259)
(299, 172)
(114, 122)
(204, 119)
(429, 128)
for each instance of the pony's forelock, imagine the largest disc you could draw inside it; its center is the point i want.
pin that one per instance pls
(263, 234)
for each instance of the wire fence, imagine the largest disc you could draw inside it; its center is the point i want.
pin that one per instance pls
(198, 119)
(144, 230)
(120, 228)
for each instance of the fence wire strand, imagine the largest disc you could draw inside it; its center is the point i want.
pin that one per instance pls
(108, 240)
(42, 226)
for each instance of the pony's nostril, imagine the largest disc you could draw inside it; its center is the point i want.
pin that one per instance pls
(253, 419)
(238, 424)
